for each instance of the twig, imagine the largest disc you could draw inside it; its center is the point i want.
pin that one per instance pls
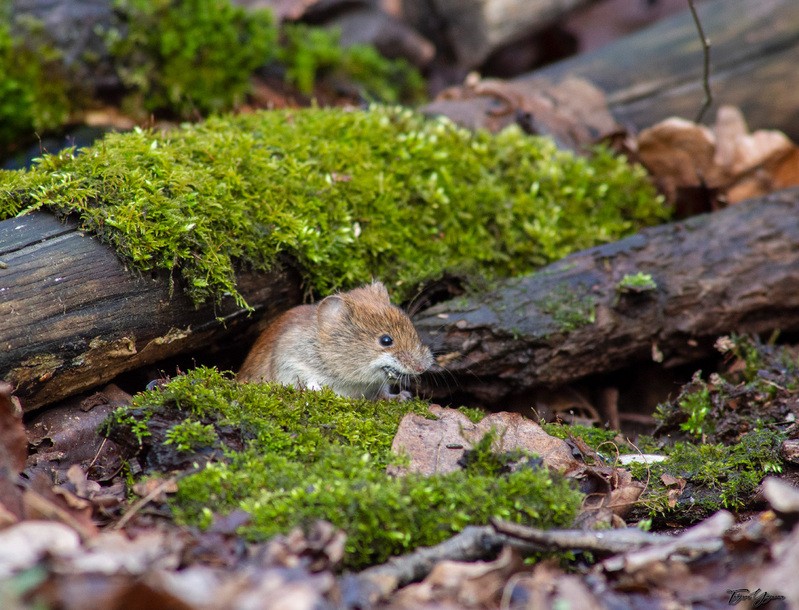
(706, 62)
(484, 542)
(141, 503)
(604, 541)
(474, 542)
(161, 488)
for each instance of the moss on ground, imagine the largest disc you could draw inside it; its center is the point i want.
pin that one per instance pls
(717, 475)
(721, 436)
(350, 195)
(315, 455)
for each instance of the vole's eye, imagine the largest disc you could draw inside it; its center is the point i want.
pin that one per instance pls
(386, 340)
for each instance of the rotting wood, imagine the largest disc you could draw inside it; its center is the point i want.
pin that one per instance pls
(731, 271)
(72, 316)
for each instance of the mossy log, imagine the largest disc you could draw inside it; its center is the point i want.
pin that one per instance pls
(657, 72)
(665, 294)
(72, 316)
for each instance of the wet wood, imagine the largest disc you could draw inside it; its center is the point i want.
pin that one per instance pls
(732, 271)
(72, 316)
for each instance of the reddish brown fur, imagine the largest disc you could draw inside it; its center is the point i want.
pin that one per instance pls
(259, 362)
(336, 343)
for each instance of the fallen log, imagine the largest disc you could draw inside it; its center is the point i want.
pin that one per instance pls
(665, 294)
(72, 316)
(657, 73)
(473, 29)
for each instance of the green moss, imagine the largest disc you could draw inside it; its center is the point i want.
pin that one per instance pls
(350, 195)
(190, 57)
(740, 416)
(34, 88)
(310, 53)
(474, 414)
(570, 308)
(312, 455)
(718, 476)
(195, 57)
(135, 422)
(190, 435)
(636, 283)
(694, 402)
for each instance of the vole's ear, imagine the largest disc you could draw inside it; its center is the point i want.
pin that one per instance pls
(379, 291)
(331, 310)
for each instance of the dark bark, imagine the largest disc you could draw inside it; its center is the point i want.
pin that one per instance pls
(72, 316)
(731, 271)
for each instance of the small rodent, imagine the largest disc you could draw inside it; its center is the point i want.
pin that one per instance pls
(357, 343)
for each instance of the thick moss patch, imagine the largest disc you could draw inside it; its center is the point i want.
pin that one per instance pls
(315, 455)
(350, 195)
(191, 57)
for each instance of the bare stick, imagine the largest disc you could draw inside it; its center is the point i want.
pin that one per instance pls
(706, 62)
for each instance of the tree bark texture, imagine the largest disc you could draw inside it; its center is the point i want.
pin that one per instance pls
(732, 271)
(72, 316)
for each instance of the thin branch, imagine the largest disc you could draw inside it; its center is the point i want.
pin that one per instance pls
(706, 62)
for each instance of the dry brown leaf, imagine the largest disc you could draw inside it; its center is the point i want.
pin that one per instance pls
(781, 495)
(84, 487)
(677, 153)
(22, 545)
(43, 500)
(780, 577)
(549, 587)
(611, 494)
(115, 553)
(157, 487)
(435, 446)
(67, 435)
(13, 442)
(727, 158)
(676, 485)
(573, 111)
(321, 549)
(477, 584)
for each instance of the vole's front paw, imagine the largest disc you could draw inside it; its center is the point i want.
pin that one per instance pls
(401, 397)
